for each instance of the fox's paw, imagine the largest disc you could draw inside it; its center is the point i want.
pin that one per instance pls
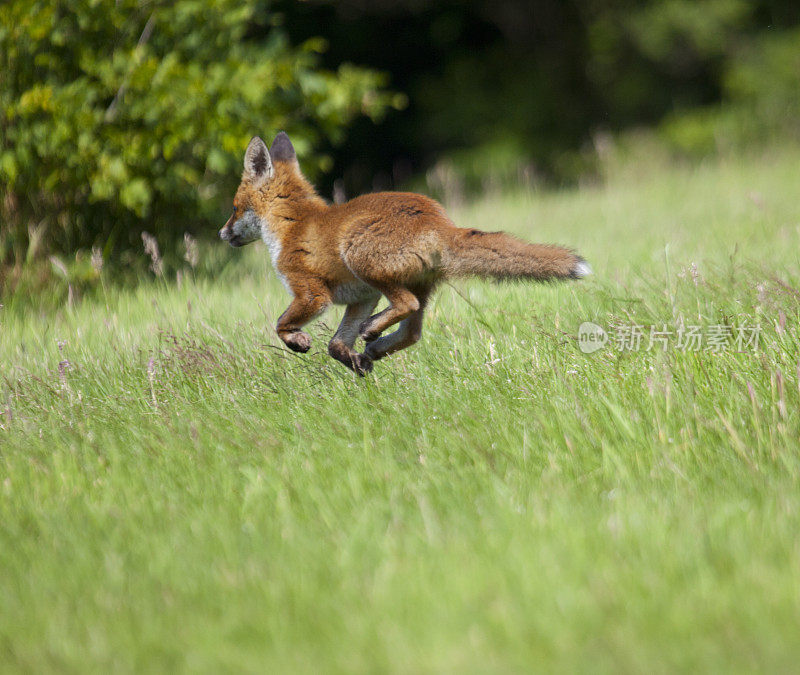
(361, 364)
(298, 342)
(371, 353)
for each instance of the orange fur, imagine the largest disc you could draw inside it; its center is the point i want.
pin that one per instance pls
(396, 244)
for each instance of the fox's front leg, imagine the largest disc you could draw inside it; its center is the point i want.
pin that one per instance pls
(302, 309)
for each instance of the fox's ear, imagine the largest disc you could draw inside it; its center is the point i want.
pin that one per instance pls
(257, 162)
(282, 149)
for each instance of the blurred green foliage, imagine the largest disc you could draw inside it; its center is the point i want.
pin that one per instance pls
(123, 115)
(761, 101)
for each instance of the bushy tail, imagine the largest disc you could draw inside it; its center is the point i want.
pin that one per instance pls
(501, 256)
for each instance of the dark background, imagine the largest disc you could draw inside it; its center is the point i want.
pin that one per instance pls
(541, 76)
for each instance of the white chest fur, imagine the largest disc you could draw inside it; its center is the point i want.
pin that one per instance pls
(274, 246)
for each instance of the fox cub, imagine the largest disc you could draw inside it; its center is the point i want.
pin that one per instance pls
(396, 244)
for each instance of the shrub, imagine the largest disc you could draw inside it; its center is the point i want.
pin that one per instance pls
(118, 116)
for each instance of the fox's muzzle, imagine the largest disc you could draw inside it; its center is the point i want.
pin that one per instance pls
(241, 229)
(226, 233)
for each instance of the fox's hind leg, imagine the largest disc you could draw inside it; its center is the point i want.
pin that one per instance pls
(402, 303)
(397, 271)
(409, 332)
(341, 345)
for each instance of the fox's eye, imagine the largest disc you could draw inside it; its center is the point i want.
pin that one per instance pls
(234, 209)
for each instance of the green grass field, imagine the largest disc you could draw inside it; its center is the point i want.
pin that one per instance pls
(182, 493)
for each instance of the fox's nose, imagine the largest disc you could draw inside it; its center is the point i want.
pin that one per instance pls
(223, 234)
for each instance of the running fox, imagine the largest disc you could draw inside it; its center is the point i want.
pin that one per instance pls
(396, 244)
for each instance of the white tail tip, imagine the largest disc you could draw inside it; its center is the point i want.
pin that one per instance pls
(582, 269)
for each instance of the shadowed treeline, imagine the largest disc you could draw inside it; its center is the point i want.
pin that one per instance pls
(506, 82)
